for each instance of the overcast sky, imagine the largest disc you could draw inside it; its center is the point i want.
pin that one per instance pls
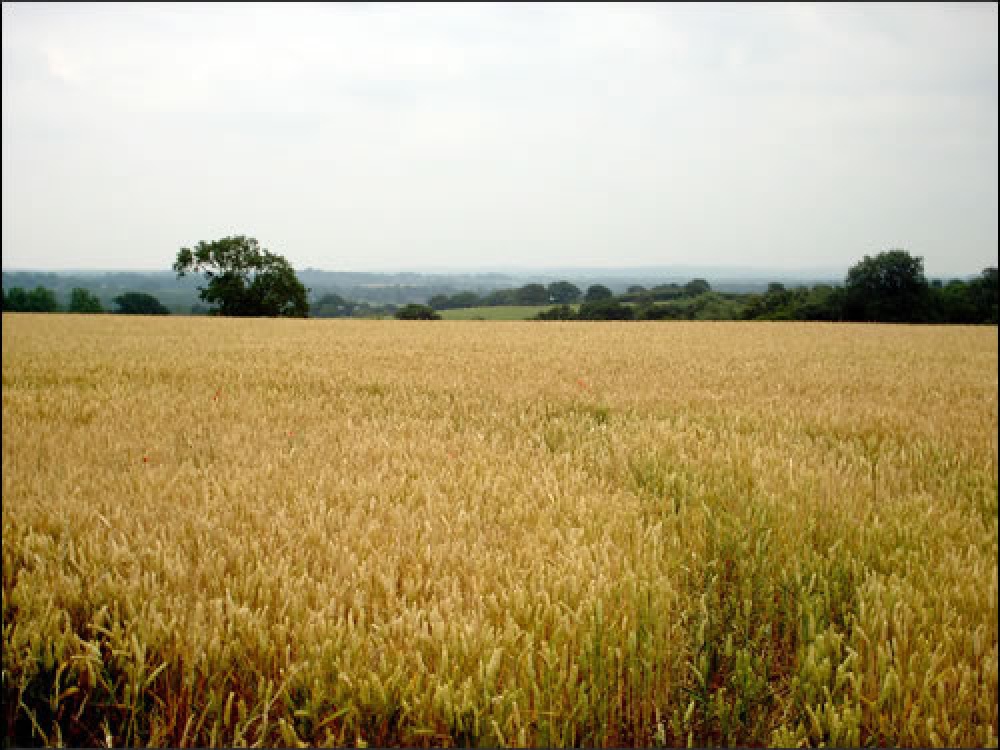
(353, 137)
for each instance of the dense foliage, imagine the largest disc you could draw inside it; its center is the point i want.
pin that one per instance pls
(139, 303)
(417, 312)
(39, 299)
(244, 279)
(84, 301)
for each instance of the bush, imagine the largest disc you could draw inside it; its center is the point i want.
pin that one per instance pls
(559, 312)
(139, 303)
(416, 312)
(605, 310)
(660, 312)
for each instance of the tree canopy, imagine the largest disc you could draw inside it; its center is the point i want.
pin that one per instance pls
(39, 299)
(84, 301)
(139, 303)
(533, 294)
(564, 292)
(244, 280)
(697, 286)
(889, 288)
(597, 293)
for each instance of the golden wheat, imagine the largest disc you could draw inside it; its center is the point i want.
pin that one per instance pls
(235, 532)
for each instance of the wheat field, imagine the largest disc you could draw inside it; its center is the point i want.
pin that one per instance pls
(330, 532)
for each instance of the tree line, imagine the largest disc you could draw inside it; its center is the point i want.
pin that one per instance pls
(243, 279)
(43, 299)
(559, 293)
(888, 288)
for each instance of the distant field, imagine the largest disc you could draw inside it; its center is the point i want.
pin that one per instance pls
(281, 532)
(500, 312)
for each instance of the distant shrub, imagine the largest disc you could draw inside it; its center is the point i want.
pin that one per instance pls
(605, 310)
(84, 301)
(559, 312)
(139, 303)
(417, 312)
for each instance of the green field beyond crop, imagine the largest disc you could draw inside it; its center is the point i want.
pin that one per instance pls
(499, 312)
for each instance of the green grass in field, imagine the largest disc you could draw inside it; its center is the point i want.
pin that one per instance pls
(506, 312)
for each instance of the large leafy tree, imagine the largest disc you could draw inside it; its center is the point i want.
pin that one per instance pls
(244, 279)
(984, 293)
(889, 288)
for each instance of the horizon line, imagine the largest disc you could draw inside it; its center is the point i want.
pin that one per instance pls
(724, 272)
